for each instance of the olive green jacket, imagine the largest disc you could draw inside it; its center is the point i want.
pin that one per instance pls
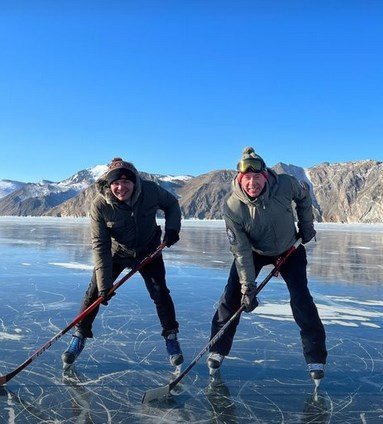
(122, 230)
(265, 225)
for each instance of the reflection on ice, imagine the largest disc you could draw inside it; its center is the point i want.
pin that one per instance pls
(264, 380)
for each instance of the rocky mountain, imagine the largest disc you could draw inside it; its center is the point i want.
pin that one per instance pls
(300, 174)
(35, 199)
(80, 205)
(77, 206)
(70, 197)
(342, 192)
(8, 186)
(202, 197)
(348, 192)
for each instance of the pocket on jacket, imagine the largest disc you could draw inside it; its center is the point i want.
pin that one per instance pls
(115, 224)
(285, 205)
(123, 251)
(150, 211)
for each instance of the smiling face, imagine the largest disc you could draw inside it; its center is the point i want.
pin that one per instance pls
(122, 189)
(252, 183)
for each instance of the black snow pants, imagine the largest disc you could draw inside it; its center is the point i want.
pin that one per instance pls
(303, 307)
(153, 274)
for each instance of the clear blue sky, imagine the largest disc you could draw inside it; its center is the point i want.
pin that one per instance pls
(181, 86)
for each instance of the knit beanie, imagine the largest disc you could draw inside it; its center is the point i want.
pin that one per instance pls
(118, 169)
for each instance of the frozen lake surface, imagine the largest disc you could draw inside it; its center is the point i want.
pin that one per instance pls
(45, 269)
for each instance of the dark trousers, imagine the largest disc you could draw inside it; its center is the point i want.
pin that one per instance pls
(154, 276)
(302, 305)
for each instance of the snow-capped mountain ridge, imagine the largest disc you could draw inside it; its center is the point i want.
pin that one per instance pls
(345, 192)
(18, 198)
(8, 186)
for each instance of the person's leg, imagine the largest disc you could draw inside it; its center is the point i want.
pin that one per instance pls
(84, 327)
(229, 303)
(303, 307)
(154, 276)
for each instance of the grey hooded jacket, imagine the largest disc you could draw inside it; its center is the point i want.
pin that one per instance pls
(265, 225)
(122, 230)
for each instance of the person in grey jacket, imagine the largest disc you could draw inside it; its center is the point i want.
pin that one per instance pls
(124, 231)
(260, 227)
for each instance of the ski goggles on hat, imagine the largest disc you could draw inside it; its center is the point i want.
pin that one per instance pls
(251, 165)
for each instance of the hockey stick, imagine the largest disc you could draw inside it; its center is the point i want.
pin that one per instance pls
(5, 378)
(155, 394)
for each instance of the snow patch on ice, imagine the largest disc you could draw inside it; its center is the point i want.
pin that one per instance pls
(234, 358)
(7, 336)
(337, 322)
(333, 314)
(16, 241)
(356, 301)
(370, 324)
(59, 306)
(261, 361)
(72, 265)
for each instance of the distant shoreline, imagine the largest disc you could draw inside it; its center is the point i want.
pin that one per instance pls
(194, 223)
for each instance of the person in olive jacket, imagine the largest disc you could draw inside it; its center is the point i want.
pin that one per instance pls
(260, 227)
(124, 231)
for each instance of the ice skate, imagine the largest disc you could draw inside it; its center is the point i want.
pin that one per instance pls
(316, 371)
(75, 347)
(174, 350)
(214, 362)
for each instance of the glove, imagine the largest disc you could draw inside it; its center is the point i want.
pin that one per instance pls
(171, 237)
(104, 295)
(306, 232)
(249, 299)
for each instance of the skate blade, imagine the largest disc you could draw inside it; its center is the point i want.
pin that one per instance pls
(178, 389)
(67, 367)
(177, 370)
(317, 382)
(215, 372)
(215, 381)
(175, 373)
